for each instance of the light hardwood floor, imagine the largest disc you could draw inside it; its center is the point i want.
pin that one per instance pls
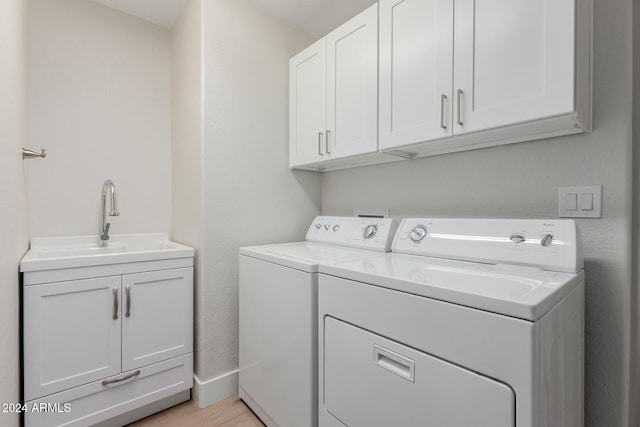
(231, 412)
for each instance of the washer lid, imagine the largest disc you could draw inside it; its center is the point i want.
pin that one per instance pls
(517, 291)
(305, 256)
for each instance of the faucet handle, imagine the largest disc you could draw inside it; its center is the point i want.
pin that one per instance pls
(105, 233)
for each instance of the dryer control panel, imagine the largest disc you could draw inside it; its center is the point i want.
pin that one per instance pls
(548, 244)
(364, 233)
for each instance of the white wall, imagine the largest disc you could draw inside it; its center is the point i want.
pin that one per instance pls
(186, 130)
(13, 226)
(100, 103)
(521, 181)
(250, 195)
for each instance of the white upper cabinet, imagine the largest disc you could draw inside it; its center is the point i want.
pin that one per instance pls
(474, 73)
(513, 61)
(352, 87)
(307, 104)
(416, 70)
(333, 106)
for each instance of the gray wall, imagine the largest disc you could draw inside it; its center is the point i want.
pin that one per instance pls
(521, 181)
(13, 224)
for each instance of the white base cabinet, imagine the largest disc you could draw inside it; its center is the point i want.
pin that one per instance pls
(98, 347)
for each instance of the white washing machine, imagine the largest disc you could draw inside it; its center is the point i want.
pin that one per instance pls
(468, 323)
(278, 314)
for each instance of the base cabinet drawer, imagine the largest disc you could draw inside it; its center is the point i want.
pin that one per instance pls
(98, 401)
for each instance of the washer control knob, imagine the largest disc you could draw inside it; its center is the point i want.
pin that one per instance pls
(326, 226)
(418, 233)
(546, 240)
(518, 238)
(370, 231)
(336, 227)
(318, 226)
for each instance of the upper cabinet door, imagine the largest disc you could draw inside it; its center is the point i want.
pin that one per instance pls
(307, 105)
(352, 86)
(514, 61)
(416, 71)
(157, 316)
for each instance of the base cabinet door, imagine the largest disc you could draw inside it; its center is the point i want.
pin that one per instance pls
(72, 334)
(157, 316)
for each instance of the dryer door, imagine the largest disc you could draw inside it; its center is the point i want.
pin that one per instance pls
(372, 381)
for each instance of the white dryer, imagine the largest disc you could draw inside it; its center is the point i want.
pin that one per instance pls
(278, 314)
(468, 323)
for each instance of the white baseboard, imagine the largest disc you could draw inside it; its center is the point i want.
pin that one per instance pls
(212, 391)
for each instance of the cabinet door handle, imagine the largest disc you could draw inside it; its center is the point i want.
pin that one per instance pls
(443, 99)
(115, 303)
(128, 290)
(459, 108)
(326, 140)
(131, 375)
(320, 143)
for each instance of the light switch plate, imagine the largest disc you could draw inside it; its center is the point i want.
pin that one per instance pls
(588, 202)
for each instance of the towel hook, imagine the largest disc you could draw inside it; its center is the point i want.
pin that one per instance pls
(30, 154)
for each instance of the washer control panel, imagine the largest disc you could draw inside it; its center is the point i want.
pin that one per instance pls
(365, 233)
(548, 244)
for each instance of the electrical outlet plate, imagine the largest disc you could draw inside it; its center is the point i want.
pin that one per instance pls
(580, 202)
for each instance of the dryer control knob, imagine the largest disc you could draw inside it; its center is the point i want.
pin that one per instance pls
(336, 227)
(370, 231)
(318, 226)
(546, 240)
(418, 233)
(518, 238)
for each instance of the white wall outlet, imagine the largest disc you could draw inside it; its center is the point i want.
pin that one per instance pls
(580, 202)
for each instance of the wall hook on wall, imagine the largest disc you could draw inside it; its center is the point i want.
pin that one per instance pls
(30, 154)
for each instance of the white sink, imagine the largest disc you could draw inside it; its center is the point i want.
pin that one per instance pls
(49, 253)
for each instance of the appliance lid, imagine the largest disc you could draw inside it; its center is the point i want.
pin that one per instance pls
(305, 256)
(517, 291)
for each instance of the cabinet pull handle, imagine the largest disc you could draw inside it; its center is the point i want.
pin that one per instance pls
(115, 303)
(459, 108)
(134, 374)
(326, 140)
(443, 99)
(128, 290)
(320, 143)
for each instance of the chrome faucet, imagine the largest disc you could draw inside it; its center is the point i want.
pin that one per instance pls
(107, 187)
